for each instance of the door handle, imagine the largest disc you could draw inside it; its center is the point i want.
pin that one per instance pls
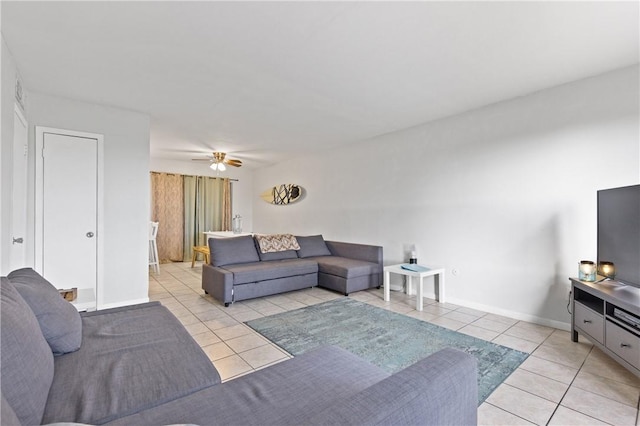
(90, 234)
(18, 240)
(587, 321)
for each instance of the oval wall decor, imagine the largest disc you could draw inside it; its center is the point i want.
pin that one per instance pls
(284, 194)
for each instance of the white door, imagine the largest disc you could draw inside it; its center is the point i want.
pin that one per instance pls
(67, 209)
(18, 252)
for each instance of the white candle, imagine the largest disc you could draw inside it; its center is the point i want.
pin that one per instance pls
(587, 270)
(607, 268)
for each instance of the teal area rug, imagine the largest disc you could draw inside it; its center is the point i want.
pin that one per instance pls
(384, 338)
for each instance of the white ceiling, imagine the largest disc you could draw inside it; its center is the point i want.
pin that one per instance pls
(271, 80)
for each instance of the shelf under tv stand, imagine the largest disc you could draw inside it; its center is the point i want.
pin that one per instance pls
(592, 315)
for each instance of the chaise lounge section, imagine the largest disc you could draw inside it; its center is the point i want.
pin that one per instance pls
(137, 365)
(240, 270)
(349, 267)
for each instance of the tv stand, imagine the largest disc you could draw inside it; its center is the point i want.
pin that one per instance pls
(607, 313)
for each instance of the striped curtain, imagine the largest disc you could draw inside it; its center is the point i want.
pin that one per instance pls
(207, 207)
(167, 208)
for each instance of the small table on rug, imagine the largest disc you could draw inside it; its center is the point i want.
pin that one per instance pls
(438, 276)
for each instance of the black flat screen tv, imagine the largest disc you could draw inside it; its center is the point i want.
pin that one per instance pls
(619, 232)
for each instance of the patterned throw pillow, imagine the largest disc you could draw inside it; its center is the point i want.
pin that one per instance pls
(277, 242)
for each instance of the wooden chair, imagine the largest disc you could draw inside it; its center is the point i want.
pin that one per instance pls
(199, 249)
(154, 262)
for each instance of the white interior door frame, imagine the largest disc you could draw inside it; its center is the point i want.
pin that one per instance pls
(39, 194)
(19, 183)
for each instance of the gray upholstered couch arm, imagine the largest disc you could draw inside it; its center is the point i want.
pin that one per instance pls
(439, 390)
(218, 282)
(364, 252)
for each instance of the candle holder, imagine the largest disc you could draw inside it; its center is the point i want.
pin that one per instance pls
(413, 256)
(607, 269)
(586, 270)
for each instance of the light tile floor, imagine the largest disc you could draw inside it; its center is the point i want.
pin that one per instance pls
(561, 383)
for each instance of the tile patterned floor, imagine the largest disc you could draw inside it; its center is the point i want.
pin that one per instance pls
(561, 383)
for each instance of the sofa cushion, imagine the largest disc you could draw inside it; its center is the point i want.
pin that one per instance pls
(7, 415)
(311, 246)
(286, 393)
(278, 255)
(59, 320)
(438, 390)
(132, 358)
(230, 251)
(26, 358)
(263, 271)
(345, 267)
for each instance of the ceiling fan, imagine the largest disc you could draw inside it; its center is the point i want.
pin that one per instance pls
(218, 161)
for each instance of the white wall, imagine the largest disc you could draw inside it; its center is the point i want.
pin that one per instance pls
(9, 74)
(242, 189)
(124, 275)
(505, 194)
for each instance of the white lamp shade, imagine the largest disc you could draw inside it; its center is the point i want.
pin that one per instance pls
(218, 166)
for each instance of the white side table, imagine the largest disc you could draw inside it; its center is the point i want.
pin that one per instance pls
(438, 276)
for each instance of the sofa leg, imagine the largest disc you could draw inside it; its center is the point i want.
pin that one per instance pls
(226, 305)
(206, 292)
(378, 287)
(346, 294)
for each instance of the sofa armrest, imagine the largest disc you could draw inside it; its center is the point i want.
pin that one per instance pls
(218, 282)
(441, 389)
(364, 252)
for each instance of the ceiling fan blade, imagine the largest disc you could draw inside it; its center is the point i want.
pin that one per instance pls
(201, 159)
(234, 163)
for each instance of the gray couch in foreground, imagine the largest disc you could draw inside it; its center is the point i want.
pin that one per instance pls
(137, 365)
(238, 270)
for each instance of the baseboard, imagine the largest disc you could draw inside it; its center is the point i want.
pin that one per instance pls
(124, 303)
(511, 314)
(566, 326)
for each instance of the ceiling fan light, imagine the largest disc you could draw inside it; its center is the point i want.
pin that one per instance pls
(218, 167)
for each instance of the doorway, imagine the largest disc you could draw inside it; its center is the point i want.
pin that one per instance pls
(68, 231)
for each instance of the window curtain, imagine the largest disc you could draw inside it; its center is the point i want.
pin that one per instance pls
(207, 206)
(167, 208)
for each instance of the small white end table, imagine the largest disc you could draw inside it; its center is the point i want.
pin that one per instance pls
(438, 276)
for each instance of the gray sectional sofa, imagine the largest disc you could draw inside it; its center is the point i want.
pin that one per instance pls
(137, 365)
(239, 270)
